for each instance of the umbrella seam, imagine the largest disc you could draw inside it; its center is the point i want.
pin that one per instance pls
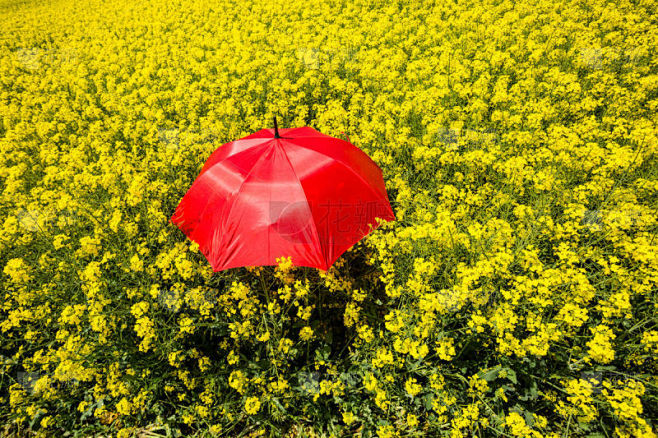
(200, 176)
(232, 155)
(344, 141)
(200, 216)
(315, 228)
(237, 193)
(367, 184)
(344, 164)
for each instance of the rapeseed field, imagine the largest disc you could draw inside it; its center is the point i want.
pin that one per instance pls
(515, 294)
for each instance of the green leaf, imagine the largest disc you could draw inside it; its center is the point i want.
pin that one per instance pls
(530, 394)
(323, 353)
(278, 404)
(511, 375)
(348, 379)
(492, 374)
(427, 401)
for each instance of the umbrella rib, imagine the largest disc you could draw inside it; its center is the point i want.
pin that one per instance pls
(315, 228)
(205, 174)
(335, 139)
(234, 197)
(347, 166)
(235, 154)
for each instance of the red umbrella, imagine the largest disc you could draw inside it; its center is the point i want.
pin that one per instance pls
(294, 192)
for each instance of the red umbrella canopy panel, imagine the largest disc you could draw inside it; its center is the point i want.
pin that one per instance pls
(283, 193)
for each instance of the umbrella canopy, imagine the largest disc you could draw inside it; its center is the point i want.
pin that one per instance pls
(294, 192)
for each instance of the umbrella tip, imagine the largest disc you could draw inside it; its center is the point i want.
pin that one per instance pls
(276, 129)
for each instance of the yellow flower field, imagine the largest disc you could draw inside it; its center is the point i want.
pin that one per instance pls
(516, 294)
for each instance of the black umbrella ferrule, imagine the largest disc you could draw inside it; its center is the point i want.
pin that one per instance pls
(276, 129)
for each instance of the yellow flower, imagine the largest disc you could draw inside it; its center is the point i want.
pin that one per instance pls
(412, 387)
(381, 399)
(386, 431)
(237, 381)
(136, 264)
(306, 333)
(382, 358)
(186, 325)
(445, 348)
(650, 341)
(82, 406)
(139, 309)
(17, 270)
(284, 345)
(124, 407)
(348, 418)
(517, 425)
(145, 329)
(252, 405)
(285, 270)
(600, 347)
(46, 422)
